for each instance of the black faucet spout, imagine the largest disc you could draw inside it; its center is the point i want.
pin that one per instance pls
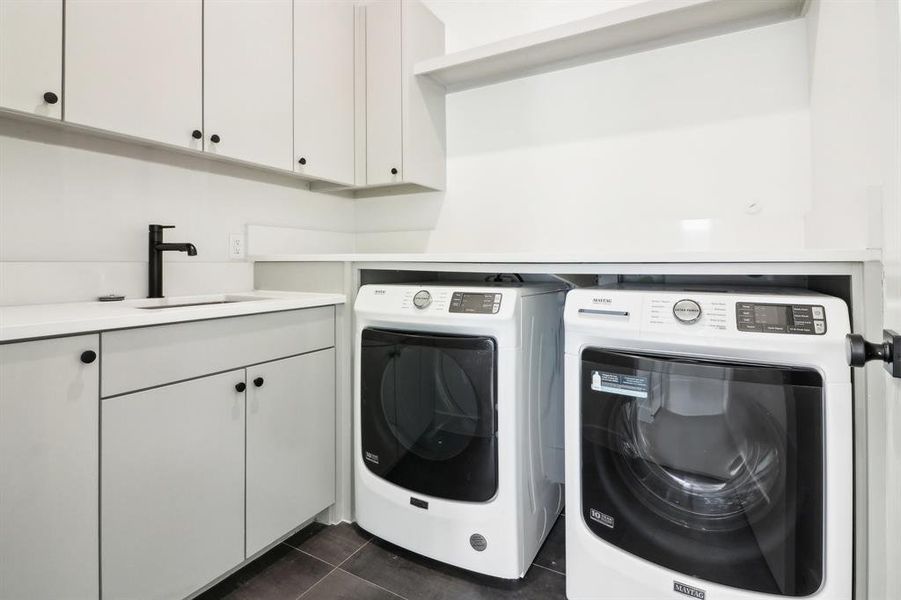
(156, 247)
(186, 247)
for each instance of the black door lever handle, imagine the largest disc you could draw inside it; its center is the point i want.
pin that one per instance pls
(860, 351)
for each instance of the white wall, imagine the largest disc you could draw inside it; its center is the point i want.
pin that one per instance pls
(695, 146)
(74, 211)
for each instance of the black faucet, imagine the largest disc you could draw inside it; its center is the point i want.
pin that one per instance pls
(156, 248)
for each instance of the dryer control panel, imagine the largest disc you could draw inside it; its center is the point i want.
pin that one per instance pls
(476, 302)
(804, 319)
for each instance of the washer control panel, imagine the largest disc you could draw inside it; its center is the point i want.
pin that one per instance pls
(475, 303)
(803, 319)
(699, 314)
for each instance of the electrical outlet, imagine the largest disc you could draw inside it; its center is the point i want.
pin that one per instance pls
(236, 245)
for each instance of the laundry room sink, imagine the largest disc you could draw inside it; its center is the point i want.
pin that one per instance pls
(164, 303)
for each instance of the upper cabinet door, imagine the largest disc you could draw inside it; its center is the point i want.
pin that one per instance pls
(248, 80)
(324, 89)
(135, 67)
(384, 139)
(31, 56)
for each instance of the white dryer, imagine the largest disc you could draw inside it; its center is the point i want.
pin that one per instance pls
(458, 420)
(709, 445)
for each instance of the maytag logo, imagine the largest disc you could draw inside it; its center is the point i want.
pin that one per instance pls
(380, 292)
(602, 518)
(691, 592)
(601, 301)
(373, 458)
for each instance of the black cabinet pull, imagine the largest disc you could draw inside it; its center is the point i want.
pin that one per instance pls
(50, 98)
(393, 170)
(196, 134)
(240, 387)
(88, 356)
(302, 160)
(215, 138)
(258, 382)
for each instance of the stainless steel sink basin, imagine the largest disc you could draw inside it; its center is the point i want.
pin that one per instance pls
(161, 306)
(186, 302)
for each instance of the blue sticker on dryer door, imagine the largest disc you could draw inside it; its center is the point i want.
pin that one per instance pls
(616, 383)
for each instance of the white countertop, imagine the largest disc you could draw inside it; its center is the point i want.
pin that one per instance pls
(731, 256)
(46, 320)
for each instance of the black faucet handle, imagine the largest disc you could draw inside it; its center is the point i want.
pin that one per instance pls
(156, 226)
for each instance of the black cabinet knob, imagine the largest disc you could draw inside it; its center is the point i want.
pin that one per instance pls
(88, 356)
(215, 138)
(240, 387)
(302, 160)
(393, 170)
(258, 382)
(50, 98)
(196, 134)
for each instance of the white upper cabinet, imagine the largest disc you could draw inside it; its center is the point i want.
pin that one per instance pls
(247, 74)
(384, 138)
(405, 120)
(136, 67)
(321, 88)
(324, 89)
(31, 55)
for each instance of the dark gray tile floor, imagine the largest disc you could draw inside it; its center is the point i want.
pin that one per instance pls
(343, 562)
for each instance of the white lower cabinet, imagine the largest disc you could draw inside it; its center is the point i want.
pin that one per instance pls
(290, 437)
(172, 488)
(200, 474)
(49, 394)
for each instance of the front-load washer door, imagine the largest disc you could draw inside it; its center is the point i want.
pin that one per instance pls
(711, 469)
(428, 412)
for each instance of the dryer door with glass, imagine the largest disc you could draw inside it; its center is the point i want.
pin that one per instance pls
(428, 412)
(711, 469)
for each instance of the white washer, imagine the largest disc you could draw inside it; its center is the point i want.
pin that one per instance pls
(458, 420)
(709, 445)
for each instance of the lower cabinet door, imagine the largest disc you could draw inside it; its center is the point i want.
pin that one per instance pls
(49, 394)
(172, 487)
(290, 444)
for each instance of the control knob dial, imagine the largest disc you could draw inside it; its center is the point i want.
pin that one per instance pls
(422, 299)
(687, 311)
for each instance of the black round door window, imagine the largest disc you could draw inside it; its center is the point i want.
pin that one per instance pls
(714, 467)
(444, 417)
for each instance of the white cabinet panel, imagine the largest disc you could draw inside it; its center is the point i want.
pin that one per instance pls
(49, 469)
(135, 359)
(424, 146)
(31, 56)
(405, 114)
(136, 67)
(172, 497)
(324, 89)
(248, 80)
(290, 444)
(384, 139)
